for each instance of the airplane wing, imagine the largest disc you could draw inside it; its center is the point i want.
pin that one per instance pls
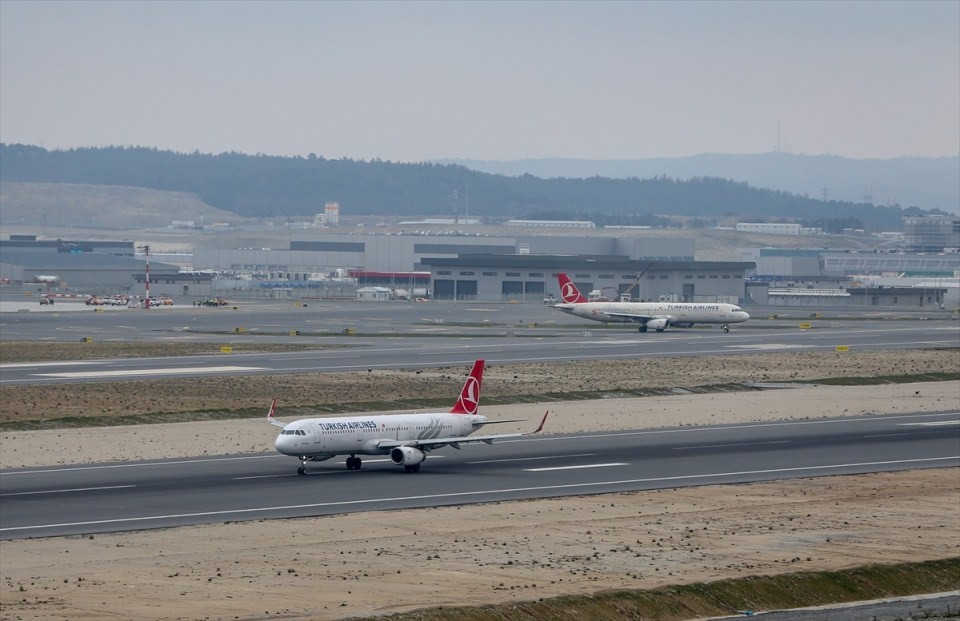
(455, 442)
(638, 317)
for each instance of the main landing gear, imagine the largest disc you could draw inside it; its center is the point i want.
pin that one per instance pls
(353, 463)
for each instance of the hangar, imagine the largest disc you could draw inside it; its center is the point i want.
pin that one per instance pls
(527, 277)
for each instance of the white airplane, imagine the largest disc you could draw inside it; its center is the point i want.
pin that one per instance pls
(655, 315)
(407, 438)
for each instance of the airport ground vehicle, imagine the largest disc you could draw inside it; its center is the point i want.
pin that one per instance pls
(213, 302)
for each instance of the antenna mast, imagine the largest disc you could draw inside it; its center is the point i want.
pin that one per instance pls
(146, 252)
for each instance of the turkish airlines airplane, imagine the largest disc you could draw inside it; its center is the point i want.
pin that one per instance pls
(406, 438)
(655, 315)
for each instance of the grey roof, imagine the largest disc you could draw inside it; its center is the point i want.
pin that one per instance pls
(579, 262)
(68, 261)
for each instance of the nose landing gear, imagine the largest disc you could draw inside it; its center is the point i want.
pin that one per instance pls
(353, 463)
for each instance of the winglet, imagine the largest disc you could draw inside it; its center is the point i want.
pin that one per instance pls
(540, 427)
(270, 419)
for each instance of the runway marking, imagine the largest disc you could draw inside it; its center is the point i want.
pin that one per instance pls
(771, 346)
(142, 372)
(576, 467)
(139, 464)
(501, 461)
(23, 365)
(710, 446)
(64, 491)
(478, 493)
(935, 423)
(308, 473)
(656, 432)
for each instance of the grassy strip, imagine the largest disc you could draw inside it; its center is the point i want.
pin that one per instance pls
(359, 407)
(18, 351)
(724, 597)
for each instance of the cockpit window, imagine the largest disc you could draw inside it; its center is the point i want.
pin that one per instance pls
(293, 432)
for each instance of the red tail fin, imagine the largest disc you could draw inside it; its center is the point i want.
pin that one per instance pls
(469, 400)
(568, 291)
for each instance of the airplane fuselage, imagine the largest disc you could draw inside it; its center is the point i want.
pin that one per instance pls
(674, 313)
(323, 438)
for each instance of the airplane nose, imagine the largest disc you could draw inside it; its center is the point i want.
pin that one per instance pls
(744, 315)
(286, 444)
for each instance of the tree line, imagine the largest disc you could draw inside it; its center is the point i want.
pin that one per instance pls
(264, 186)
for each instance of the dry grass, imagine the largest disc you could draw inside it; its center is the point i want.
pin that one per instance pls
(250, 395)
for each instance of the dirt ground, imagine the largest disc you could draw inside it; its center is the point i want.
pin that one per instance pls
(375, 563)
(307, 392)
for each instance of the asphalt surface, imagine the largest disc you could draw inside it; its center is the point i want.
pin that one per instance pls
(83, 499)
(930, 607)
(405, 334)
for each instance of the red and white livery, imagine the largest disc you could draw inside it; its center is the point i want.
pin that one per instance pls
(406, 438)
(649, 315)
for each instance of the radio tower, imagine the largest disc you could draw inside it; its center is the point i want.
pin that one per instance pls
(146, 252)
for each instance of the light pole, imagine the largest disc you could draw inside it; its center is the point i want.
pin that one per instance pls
(146, 252)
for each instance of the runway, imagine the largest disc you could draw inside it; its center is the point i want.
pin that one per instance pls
(404, 346)
(144, 495)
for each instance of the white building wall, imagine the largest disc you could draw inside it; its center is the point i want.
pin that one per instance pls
(770, 228)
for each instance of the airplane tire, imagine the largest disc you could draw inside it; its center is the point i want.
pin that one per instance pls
(301, 471)
(726, 329)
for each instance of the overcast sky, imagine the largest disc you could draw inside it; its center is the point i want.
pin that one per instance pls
(412, 81)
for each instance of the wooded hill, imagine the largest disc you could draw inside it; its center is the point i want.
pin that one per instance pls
(264, 186)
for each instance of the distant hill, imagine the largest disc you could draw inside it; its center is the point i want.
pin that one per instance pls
(925, 182)
(105, 207)
(260, 186)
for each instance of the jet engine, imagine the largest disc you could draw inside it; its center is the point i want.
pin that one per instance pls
(406, 456)
(658, 324)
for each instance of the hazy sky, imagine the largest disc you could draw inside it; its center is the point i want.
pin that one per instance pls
(411, 81)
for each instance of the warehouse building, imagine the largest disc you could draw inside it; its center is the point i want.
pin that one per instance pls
(529, 277)
(310, 254)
